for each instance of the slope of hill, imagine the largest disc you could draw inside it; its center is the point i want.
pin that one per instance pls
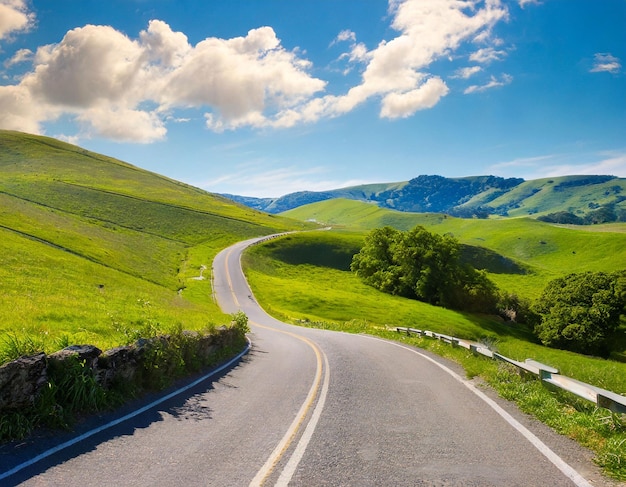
(478, 196)
(93, 248)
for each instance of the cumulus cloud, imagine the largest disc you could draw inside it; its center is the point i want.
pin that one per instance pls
(505, 79)
(604, 62)
(104, 79)
(241, 78)
(14, 17)
(402, 105)
(396, 69)
(128, 88)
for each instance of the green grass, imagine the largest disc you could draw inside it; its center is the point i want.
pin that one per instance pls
(304, 279)
(51, 295)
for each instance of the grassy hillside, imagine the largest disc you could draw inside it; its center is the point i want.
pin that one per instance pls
(545, 250)
(93, 250)
(575, 194)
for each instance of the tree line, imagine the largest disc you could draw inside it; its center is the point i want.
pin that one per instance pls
(578, 312)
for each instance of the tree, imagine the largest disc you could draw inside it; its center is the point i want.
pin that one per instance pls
(375, 262)
(425, 266)
(579, 312)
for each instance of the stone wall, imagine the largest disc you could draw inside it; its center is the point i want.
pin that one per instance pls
(22, 380)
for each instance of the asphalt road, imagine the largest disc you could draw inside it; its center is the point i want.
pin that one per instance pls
(310, 407)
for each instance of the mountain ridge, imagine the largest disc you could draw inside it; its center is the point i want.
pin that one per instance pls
(588, 198)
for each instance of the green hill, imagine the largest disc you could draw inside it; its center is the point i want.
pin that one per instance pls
(545, 250)
(93, 249)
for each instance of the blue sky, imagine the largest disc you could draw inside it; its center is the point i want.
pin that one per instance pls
(267, 97)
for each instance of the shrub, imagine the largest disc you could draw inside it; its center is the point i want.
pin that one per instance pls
(579, 312)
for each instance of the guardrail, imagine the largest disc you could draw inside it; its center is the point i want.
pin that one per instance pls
(547, 374)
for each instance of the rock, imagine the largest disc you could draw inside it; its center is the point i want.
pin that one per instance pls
(21, 381)
(87, 353)
(119, 363)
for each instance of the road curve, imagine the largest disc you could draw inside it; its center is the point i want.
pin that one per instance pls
(310, 407)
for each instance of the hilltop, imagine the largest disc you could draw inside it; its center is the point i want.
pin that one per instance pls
(566, 199)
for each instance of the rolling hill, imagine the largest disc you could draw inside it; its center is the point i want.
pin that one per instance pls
(93, 248)
(596, 198)
(544, 250)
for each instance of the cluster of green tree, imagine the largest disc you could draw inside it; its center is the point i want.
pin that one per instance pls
(481, 212)
(603, 214)
(581, 312)
(578, 312)
(425, 266)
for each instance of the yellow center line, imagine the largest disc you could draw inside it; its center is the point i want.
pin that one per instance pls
(269, 466)
(278, 452)
(230, 281)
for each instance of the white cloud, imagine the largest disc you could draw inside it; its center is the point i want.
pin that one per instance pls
(402, 105)
(14, 17)
(249, 181)
(467, 72)
(395, 69)
(554, 165)
(504, 80)
(344, 35)
(245, 80)
(19, 111)
(104, 80)
(22, 55)
(613, 164)
(123, 124)
(523, 3)
(487, 55)
(604, 62)
(92, 64)
(358, 53)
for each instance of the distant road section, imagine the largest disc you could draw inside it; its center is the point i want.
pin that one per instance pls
(310, 407)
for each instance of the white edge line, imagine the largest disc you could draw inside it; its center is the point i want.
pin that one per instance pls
(292, 464)
(117, 421)
(545, 450)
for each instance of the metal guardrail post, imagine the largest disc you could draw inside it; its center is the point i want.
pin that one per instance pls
(614, 404)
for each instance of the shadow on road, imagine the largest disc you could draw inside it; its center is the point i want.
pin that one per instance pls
(191, 404)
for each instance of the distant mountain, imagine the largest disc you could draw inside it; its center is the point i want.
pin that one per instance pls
(566, 199)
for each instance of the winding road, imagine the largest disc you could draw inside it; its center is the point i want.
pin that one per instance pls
(307, 407)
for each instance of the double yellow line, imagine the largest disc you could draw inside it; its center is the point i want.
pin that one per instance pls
(321, 365)
(268, 468)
